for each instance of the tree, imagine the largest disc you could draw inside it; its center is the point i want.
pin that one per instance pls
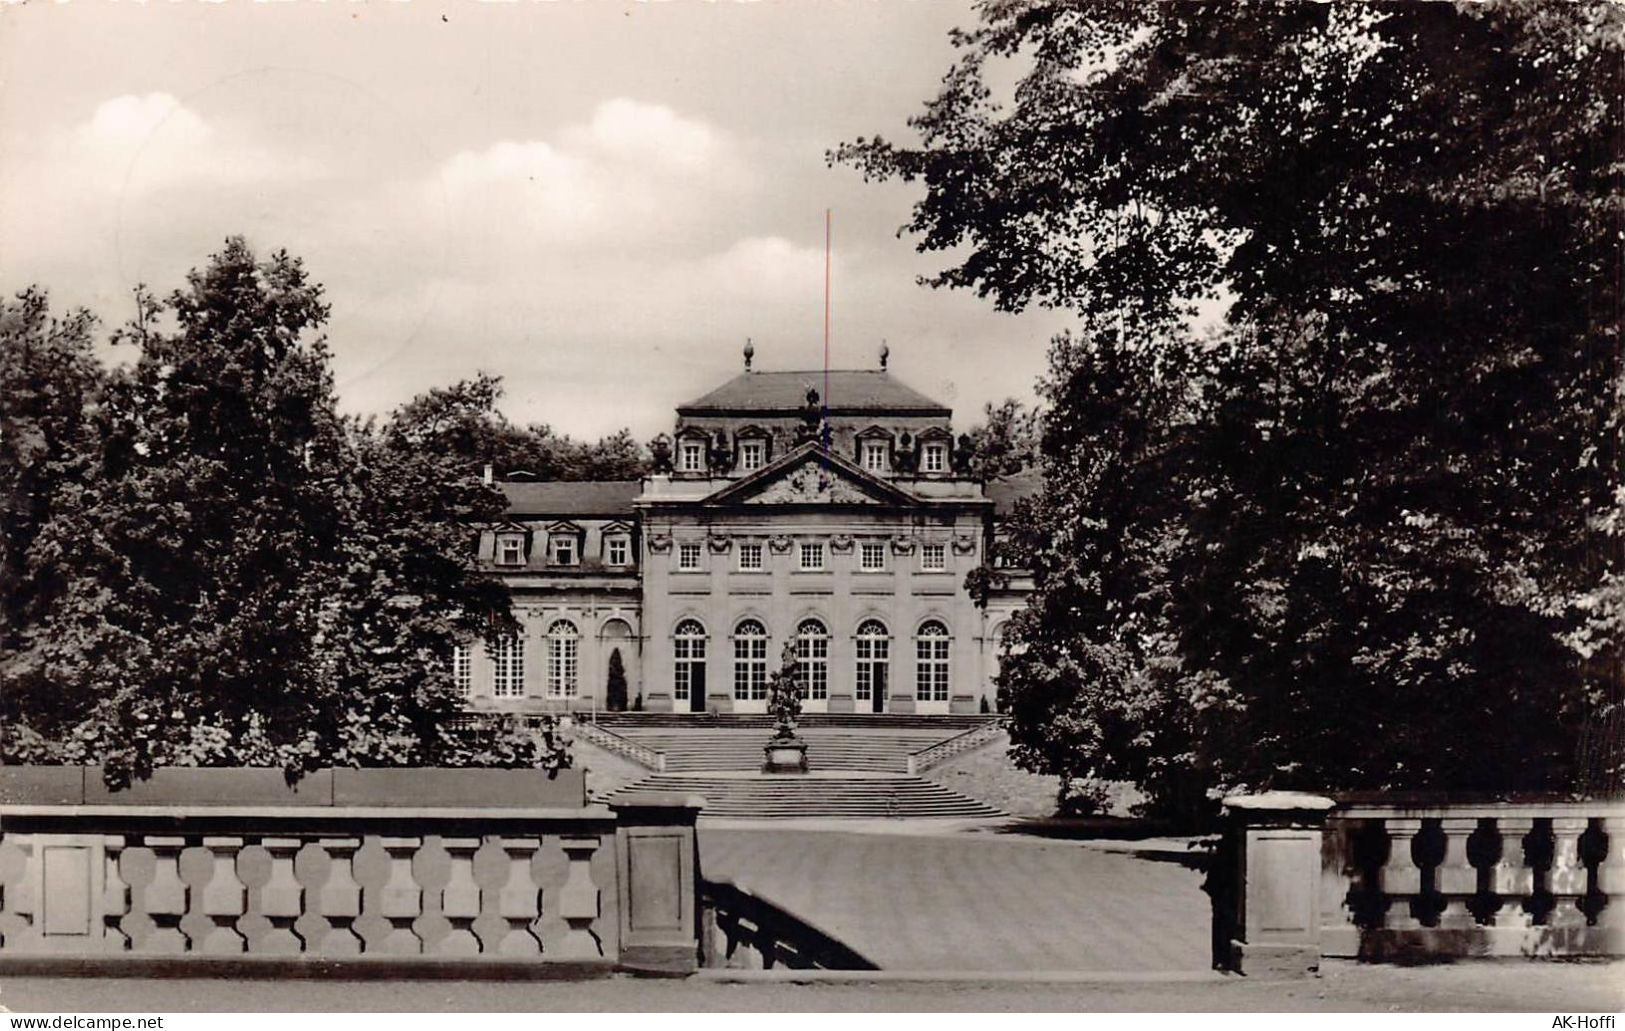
(50, 389)
(244, 576)
(615, 688)
(463, 420)
(1370, 522)
(1006, 441)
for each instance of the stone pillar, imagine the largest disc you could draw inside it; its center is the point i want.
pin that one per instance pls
(658, 882)
(1273, 917)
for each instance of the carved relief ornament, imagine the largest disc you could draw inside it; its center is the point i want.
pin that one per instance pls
(660, 543)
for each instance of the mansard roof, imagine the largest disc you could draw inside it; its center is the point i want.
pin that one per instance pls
(843, 390)
(572, 498)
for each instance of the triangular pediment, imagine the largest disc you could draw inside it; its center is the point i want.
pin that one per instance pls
(810, 475)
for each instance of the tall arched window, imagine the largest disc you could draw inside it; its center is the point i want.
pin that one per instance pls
(750, 661)
(688, 653)
(874, 663)
(812, 659)
(508, 667)
(931, 663)
(563, 641)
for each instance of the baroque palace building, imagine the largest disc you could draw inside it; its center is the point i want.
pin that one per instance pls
(830, 510)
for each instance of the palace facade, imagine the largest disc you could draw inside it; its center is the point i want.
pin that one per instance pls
(833, 511)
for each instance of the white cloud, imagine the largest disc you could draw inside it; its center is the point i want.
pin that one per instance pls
(628, 129)
(766, 269)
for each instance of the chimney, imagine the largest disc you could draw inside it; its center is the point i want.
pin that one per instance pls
(489, 476)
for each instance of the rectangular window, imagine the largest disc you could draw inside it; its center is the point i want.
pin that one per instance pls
(874, 456)
(688, 556)
(752, 455)
(510, 550)
(812, 557)
(691, 456)
(462, 670)
(508, 676)
(618, 551)
(872, 557)
(561, 667)
(933, 557)
(935, 459)
(563, 549)
(750, 558)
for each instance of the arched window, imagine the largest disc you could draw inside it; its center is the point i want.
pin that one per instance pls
(874, 660)
(931, 663)
(688, 651)
(508, 667)
(812, 659)
(750, 661)
(563, 641)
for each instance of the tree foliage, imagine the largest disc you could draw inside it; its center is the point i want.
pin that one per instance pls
(615, 682)
(238, 575)
(463, 420)
(1006, 441)
(1366, 532)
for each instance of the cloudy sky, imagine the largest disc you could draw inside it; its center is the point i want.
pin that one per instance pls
(599, 202)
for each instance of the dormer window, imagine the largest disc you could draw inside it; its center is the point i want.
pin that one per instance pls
(752, 455)
(934, 458)
(510, 549)
(618, 551)
(874, 456)
(691, 456)
(561, 549)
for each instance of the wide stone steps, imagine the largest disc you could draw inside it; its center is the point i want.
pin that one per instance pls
(828, 750)
(815, 796)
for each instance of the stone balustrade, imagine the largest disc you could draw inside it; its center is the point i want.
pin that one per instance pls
(942, 751)
(643, 755)
(445, 873)
(1406, 879)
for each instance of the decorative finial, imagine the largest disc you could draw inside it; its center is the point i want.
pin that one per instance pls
(750, 352)
(885, 353)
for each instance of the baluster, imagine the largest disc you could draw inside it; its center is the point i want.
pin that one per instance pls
(1399, 878)
(1566, 881)
(1611, 883)
(1456, 879)
(165, 896)
(371, 868)
(115, 896)
(460, 898)
(402, 897)
(213, 891)
(569, 898)
(431, 870)
(331, 876)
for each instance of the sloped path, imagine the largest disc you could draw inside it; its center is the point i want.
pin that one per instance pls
(979, 901)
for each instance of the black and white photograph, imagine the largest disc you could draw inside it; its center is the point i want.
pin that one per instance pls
(1073, 507)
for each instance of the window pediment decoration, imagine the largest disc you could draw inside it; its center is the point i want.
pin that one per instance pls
(964, 544)
(936, 433)
(841, 543)
(564, 527)
(876, 433)
(902, 545)
(779, 543)
(618, 526)
(719, 545)
(660, 543)
(752, 432)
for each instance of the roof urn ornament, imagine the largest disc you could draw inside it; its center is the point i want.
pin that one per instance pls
(885, 355)
(750, 352)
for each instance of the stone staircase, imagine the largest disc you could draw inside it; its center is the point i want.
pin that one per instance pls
(842, 796)
(828, 750)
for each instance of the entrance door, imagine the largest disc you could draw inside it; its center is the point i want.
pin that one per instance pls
(696, 686)
(879, 690)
